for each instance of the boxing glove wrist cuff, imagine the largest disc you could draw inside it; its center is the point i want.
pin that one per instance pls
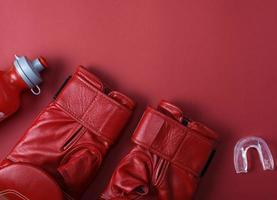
(81, 98)
(175, 142)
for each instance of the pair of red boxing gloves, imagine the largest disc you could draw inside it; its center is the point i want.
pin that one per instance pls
(61, 152)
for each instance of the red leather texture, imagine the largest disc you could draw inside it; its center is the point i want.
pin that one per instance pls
(168, 159)
(24, 182)
(71, 136)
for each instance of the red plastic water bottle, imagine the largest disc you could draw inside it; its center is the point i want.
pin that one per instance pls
(22, 75)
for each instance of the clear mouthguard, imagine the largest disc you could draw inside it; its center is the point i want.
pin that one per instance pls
(240, 154)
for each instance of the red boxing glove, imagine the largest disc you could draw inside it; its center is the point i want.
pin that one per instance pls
(64, 147)
(169, 157)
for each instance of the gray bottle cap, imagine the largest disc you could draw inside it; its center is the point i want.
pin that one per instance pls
(29, 71)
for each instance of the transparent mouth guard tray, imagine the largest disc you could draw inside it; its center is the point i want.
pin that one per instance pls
(240, 154)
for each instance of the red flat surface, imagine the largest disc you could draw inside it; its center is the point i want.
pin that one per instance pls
(216, 59)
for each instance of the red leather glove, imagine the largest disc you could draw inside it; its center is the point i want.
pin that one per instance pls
(64, 147)
(170, 155)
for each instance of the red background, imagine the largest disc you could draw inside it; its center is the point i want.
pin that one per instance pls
(215, 59)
